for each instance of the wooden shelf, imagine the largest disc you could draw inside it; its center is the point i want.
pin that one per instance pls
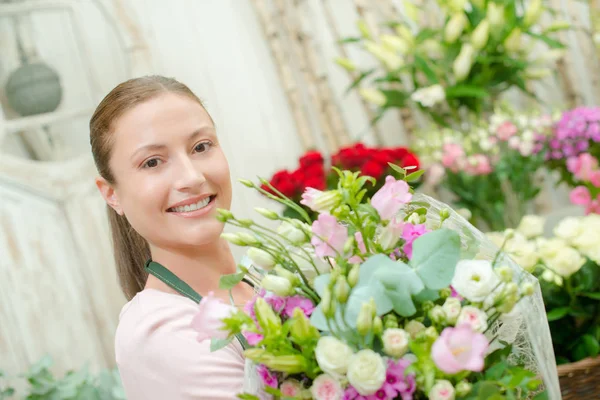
(39, 120)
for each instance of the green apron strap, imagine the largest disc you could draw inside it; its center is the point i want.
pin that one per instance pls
(174, 282)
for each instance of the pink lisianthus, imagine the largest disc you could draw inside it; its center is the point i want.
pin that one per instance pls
(208, 320)
(266, 376)
(391, 197)
(330, 236)
(277, 303)
(506, 130)
(459, 349)
(361, 247)
(300, 302)
(309, 197)
(410, 233)
(580, 196)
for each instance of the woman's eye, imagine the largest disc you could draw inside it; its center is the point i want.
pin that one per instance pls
(152, 163)
(202, 147)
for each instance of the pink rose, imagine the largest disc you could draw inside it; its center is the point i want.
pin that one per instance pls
(580, 196)
(208, 321)
(326, 387)
(506, 130)
(459, 349)
(330, 236)
(391, 197)
(291, 388)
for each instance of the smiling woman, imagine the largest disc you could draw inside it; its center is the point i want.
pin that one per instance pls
(163, 175)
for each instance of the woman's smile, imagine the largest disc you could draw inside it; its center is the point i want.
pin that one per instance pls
(193, 207)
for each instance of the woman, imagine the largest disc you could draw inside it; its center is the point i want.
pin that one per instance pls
(163, 175)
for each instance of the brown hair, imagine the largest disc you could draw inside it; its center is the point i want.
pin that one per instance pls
(131, 250)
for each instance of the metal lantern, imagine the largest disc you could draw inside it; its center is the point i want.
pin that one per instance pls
(34, 88)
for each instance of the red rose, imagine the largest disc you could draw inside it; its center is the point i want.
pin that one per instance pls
(373, 168)
(383, 157)
(315, 182)
(410, 160)
(311, 158)
(351, 157)
(282, 181)
(312, 176)
(399, 153)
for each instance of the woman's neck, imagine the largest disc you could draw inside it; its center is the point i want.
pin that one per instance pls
(201, 268)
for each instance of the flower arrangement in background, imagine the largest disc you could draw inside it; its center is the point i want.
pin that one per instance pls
(574, 150)
(568, 266)
(492, 169)
(316, 173)
(394, 306)
(480, 50)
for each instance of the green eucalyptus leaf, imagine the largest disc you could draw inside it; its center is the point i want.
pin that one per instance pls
(427, 295)
(321, 282)
(218, 344)
(435, 255)
(402, 302)
(227, 282)
(375, 291)
(370, 266)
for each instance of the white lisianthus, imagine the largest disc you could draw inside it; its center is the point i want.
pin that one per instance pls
(366, 372)
(291, 233)
(588, 242)
(452, 309)
(261, 258)
(333, 356)
(278, 285)
(474, 317)
(395, 342)
(442, 390)
(474, 279)
(429, 96)
(524, 253)
(531, 226)
(566, 261)
(326, 387)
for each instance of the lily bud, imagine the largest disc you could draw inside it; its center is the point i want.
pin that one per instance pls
(342, 290)
(233, 238)
(261, 258)
(373, 96)
(270, 214)
(349, 245)
(353, 275)
(437, 314)
(377, 326)
(480, 35)
(301, 328)
(511, 288)
(345, 63)
(328, 200)
(391, 60)
(278, 285)
(394, 43)
(537, 73)
(290, 276)
(463, 63)
(406, 34)
(265, 315)
(533, 13)
(512, 44)
(289, 364)
(291, 233)
(557, 26)
(364, 322)
(455, 27)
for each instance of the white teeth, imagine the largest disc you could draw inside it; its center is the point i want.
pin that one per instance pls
(192, 207)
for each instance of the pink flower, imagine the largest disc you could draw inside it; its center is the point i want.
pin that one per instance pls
(453, 156)
(253, 338)
(266, 376)
(208, 320)
(580, 196)
(291, 388)
(397, 380)
(300, 302)
(582, 166)
(434, 174)
(391, 197)
(483, 166)
(593, 207)
(459, 349)
(309, 197)
(277, 303)
(330, 236)
(410, 233)
(454, 293)
(595, 178)
(361, 247)
(326, 387)
(506, 130)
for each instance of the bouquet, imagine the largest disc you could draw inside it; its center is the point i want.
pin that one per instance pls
(313, 172)
(396, 297)
(568, 265)
(500, 157)
(574, 150)
(462, 61)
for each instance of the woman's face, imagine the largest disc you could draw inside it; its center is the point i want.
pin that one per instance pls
(171, 174)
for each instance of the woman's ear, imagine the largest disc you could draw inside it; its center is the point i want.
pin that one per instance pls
(109, 194)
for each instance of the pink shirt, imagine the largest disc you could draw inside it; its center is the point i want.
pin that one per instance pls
(159, 357)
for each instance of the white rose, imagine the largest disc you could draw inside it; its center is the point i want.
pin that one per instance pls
(474, 317)
(333, 356)
(524, 253)
(291, 233)
(395, 342)
(591, 221)
(566, 261)
(568, 228)
(261, 258)
(326, 387)
(451, 309)
(548, 248)
(442, 390)
(276, 284)
(587, 240)
(366, 372)
(474, 279)
(531, 226)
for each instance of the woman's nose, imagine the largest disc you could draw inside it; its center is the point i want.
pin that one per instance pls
(188, 175)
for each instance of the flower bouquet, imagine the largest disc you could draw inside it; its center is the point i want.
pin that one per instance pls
(316, 173)
(501, 158)
(574, 150)
(396, 297)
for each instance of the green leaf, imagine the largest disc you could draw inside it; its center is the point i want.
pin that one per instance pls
(247, 397)
(349, 40)
(541, 396)
(398, 169)
(402, 302)
(552, 43)
(359, 79)
(427, 295)
(218, 344)
(435, 255)
(321, 282)
(466, 91)
(591, 345)
(415, 175)
(595, 296)
(558, 313)
(395, 98)
(421, 64)
(487, 390)
(227, 282)
(495, 371)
